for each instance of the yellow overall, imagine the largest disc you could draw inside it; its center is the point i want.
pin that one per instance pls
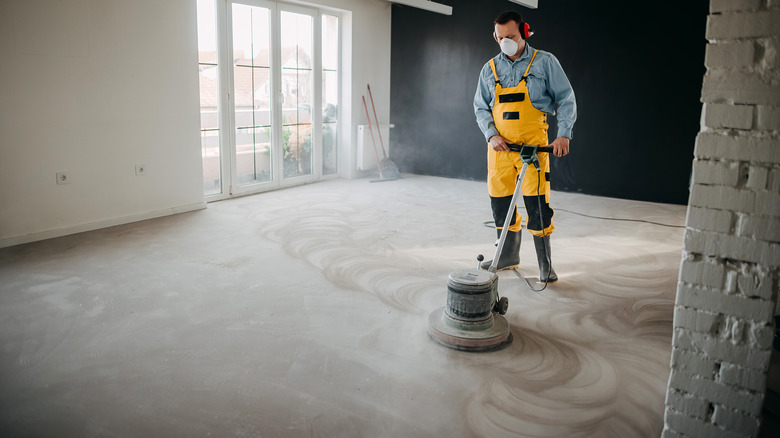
(519, 122)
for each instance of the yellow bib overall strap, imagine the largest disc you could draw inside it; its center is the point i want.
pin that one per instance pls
(519, 122)
(514, 116)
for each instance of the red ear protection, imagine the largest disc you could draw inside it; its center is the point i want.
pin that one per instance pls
(525, 30)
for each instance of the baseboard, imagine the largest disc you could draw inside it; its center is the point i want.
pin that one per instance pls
(60, 232)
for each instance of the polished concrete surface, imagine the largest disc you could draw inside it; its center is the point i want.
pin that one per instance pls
(303, 312)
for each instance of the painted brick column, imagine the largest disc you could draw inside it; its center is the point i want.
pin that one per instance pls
(727, 291)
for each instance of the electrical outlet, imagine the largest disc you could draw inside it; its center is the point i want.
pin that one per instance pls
(63, 177)
(140, 169)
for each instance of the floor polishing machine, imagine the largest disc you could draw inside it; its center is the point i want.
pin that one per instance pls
(473, 318)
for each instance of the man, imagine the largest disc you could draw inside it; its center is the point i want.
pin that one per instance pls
(516, 89)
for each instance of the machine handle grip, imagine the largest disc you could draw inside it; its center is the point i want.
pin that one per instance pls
(519, 147)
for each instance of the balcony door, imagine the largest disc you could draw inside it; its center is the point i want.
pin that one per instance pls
(270, 98)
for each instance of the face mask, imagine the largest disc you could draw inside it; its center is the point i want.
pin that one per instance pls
(508, 46)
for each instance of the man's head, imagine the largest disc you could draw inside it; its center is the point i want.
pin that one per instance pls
(507, 26)
(508, 16)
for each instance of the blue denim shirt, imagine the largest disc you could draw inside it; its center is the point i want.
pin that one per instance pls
(548, 88)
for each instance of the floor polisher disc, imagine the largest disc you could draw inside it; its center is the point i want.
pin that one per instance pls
(496, 337)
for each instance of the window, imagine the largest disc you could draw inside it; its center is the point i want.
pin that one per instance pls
(259, 109)
(209, 93)
(330, 93)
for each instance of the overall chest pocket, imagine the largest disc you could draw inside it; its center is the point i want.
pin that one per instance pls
(511, 97)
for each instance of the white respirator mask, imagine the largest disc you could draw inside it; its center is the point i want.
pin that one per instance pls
(508, 46)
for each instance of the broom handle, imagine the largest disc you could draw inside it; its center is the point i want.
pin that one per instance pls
(381, 143)
(376, 153)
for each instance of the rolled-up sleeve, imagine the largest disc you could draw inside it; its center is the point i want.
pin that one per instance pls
(483, 101)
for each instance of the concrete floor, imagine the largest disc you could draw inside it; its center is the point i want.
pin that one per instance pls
(303, 312)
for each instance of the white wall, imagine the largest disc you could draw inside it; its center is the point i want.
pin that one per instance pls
(94, 87)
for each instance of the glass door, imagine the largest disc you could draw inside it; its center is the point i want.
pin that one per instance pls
(269, 104)
(330, 93)
(209, 76)
(297, 90)
(273, 97)
(252, 150)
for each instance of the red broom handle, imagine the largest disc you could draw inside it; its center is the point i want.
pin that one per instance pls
(384, 154)
(376, 153)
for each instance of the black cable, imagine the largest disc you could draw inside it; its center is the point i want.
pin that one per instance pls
(491, 224)
(620, 219)
(541, 222)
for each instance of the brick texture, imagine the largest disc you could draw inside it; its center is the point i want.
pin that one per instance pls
(739, 86)
(758, 150)
(728, 116)
(716, 172)
(768, 118)
(727, 292)
(742, 25)
(707, 219)
(733, 5)
(730, 54)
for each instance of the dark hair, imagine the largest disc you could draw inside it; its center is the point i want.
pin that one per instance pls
(508, 16)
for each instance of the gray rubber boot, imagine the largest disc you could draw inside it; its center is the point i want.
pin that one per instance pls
(510, 255)
(544, 256)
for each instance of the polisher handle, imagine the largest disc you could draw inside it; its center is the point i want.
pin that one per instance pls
(519, 147)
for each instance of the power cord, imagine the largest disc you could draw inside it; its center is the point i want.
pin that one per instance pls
(491, 224)
(620, 219)
(541, 223)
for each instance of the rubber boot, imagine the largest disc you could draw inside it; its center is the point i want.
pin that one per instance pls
(546, 272)
(510, 255)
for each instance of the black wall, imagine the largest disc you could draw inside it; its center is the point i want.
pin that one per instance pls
(636, 72)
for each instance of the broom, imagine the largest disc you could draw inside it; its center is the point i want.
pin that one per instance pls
(387, 164)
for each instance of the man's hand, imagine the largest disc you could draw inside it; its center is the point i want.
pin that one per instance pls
(560, 146)
(498, 143)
